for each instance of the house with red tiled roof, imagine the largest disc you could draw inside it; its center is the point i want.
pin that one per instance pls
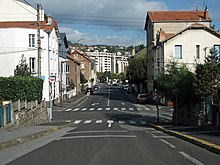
(180, 36)
(73, 72)
(18, 31)
(87, 65)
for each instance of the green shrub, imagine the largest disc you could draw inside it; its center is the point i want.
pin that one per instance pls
(18, 87)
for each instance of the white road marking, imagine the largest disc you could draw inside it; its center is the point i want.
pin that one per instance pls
(98, 131)
(99, 109)
(131, 109)
(107, 109)
(99, 136)
(147, 109)
(77, 122)
(139, 109)
(83, 101)
(91, 109)
(167, 143)
(68, 110)
(115, 109)
(110, 123)
(98, 121)
(123, 103)
(87, 121)
(143, 122)
(84, 109)
(163, 137)
(59, 110)
(67, 121)
(123, 109)
(193, 160)
(109, 93)
(121, 122)
(76, 109)
(132, 122)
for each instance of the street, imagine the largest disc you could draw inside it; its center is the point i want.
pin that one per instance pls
(108, 128)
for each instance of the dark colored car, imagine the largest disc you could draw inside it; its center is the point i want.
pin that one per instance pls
(143, 98)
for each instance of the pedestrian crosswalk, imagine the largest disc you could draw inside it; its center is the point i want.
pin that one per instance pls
(87, 109)
(99, 121)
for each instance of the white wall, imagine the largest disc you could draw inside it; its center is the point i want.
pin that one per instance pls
(189, 40)
(13, 10)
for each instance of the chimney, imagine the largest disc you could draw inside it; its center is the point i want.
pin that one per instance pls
(49, 20)
(206, 13)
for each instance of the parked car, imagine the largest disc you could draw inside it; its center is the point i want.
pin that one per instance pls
(125, 87)
(143, 98)
(130, 89)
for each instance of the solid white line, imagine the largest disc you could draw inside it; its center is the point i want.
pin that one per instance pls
(164, 137)
(110, 123)
(98, 121)
(109, 96)
(83, 101)
(99, 131)
(77, 122)
(167, 143)
(87, 121)
(99, 136)
(193, 160)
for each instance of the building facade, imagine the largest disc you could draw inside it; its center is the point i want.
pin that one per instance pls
(183, 36)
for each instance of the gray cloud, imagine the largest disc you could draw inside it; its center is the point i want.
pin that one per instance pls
(114, 15)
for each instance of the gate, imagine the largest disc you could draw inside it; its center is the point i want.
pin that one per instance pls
(1, 117)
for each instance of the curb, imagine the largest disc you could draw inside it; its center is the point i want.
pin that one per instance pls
(199, 142)
(27, 138)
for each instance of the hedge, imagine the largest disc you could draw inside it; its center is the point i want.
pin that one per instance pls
(24, 88)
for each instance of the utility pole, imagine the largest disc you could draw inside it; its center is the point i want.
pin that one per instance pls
(38, 42)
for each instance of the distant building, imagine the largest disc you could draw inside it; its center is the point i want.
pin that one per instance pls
(109, 62)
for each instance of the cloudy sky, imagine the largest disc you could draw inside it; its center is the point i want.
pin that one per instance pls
(114, 22)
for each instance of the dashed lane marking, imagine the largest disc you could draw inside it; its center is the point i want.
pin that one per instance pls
(98, 121)
(87, 121)
(77, 121)
(68, 110)
(193, 160)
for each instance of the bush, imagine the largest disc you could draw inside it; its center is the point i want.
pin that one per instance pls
(23, 88)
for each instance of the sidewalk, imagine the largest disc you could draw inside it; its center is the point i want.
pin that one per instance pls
(13, 136)
(208, 138)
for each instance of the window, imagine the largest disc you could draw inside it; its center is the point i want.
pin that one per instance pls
(67, 81)
(31, 40)
(217, 48)
(198, 51)
(82, 66)
(32, 63)
(178, 51)
(67, 68)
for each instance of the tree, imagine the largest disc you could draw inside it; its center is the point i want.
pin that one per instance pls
(207, 76)
(22, 68)
(137, 69)
(82, 78)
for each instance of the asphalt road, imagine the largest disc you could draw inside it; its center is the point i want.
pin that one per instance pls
(108, 128)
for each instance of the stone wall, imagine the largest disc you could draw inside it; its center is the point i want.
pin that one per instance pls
(28, 117)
